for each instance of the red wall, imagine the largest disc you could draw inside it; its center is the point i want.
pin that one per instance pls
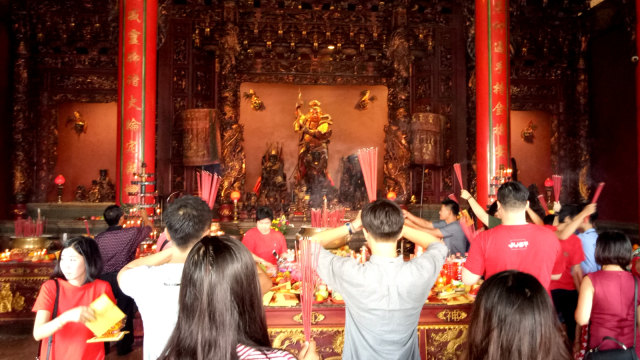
(80, 157)
(352, 129)
(533, 159)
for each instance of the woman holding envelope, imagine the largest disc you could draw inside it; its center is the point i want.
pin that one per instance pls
(75, 284)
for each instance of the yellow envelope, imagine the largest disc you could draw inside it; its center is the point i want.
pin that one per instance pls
(107, 314)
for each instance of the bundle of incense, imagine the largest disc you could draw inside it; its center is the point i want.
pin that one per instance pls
(368, 159)
(458, 171)
(316, 218)
(86, 226)
(557, 186)
(208, 187)
(597, 193)
(543, 204)
(309, 251)
(325, 214)
(453, 197)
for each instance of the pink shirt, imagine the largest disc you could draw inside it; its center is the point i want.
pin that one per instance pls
(528, 248)
(264, 245)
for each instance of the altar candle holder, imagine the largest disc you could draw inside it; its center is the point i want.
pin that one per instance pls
(59, 181)
(235, 196)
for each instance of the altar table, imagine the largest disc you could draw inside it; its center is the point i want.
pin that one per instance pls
(442, 329)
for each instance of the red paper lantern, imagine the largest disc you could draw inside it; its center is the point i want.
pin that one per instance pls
(59, 180)
(391, 195)
(235, 195)
(548, 182)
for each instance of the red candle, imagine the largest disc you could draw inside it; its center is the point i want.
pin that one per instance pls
(597, 194)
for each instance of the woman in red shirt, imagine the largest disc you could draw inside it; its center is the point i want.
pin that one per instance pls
(77, 276)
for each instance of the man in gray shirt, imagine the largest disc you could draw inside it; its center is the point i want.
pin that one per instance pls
(448, 228)
(384, 296)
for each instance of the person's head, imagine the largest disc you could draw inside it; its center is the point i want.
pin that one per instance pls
(613, 248)
(80, 261)
(567, 213)
(449, 209)
(589, 221)
(187, 219)
(382, 220)
(264, 217)
(512, 196)
(113, 214)
(513, 318)
(220, 304)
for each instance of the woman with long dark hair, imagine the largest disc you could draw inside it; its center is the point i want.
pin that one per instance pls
(76, 274)
(221, 315)
(513, 318)
(605, 301)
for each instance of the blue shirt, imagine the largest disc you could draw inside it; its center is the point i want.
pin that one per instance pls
(453, 236)
(588, 239)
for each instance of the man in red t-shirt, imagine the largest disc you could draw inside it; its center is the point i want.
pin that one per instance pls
(515, 244)
(265, 243)
(564, 290)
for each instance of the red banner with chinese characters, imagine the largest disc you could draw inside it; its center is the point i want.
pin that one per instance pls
(136, 97)
(492, 93)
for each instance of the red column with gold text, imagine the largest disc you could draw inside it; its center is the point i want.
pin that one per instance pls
(492, 93)
(136, 96)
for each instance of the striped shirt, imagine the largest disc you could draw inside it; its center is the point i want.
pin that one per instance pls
(248, 353)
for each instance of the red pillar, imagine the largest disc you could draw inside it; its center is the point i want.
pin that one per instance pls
(492, 93)
(136, 95)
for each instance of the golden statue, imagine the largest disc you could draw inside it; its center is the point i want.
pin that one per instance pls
(313, 154)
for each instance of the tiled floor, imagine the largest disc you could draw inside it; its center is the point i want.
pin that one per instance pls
(16, 343)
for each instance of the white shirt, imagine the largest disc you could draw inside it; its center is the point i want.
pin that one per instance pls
(155, 290)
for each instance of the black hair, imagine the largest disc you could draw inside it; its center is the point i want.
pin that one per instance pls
(187, 218)
(493, 208)
(593, 217)
(568, 211)
(264, 212)
(613, 248)
(112, 214)
(534, 202)
(383, 219)
(89, 250)
(452, 205)
(548, 219)
(512, 195)
(220, 304)
(514, 318)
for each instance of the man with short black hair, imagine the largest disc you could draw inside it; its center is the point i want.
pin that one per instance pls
(266, 244)
(447, 228)
(118, 247)
(154, 281)
(514, 245)
(383, 297)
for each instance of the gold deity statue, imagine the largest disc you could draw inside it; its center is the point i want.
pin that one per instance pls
(313, 154)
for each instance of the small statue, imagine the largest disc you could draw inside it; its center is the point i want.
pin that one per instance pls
(94, 193)
(272, 189)
(254, 100)
(81, 193)
(106, 188)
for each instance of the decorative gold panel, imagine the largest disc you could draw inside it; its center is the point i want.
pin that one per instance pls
(444, 342)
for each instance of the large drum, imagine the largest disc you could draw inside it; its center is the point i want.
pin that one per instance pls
(426, 139)
(201, 137)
